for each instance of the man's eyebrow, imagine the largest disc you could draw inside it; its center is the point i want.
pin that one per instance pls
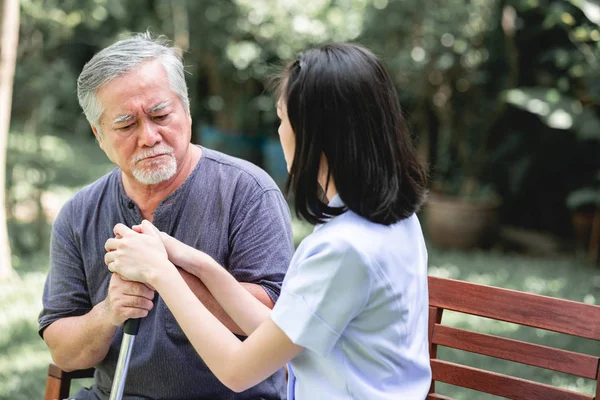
(128, 117)
(160, 106)
(122, 118)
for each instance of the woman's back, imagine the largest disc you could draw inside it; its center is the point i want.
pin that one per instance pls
(356, 297)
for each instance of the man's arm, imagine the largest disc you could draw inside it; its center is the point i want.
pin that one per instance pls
(83, 341)
(80, 342)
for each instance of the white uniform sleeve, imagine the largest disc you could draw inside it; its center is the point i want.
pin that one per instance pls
(322, 295)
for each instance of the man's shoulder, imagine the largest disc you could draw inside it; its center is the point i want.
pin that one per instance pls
(234, 168)
(100, 185)
(93, 193)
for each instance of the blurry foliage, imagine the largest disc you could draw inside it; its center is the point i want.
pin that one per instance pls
(445, 61)
(276, 30)
(235, 45)
(43, 170)
(560, 87)
(502, 95)
(587, 197)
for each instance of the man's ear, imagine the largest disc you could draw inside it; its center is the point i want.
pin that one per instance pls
(98, 136)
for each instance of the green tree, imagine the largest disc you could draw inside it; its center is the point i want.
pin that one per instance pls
(9, 34)
(503, 95)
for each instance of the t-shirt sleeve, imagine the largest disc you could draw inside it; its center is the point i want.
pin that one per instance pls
(324, 293)
(261, 242)
(65, 292)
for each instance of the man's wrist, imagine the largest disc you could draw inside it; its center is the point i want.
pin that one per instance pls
(103, 316)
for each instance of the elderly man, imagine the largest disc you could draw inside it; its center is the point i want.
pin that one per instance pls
(135, 97)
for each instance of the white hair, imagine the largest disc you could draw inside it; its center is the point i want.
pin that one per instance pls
(120, 58)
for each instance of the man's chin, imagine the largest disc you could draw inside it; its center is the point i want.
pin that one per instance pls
(151, 171)
(153, 177)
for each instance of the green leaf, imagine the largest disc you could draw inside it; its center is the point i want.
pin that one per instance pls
(583, 197)
(557, 110)
(589, 8)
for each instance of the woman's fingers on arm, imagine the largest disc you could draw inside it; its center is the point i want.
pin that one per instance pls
(109, 257)
(121, 229)
(111, 244)
(166, 241)
(149, 229)
(114, 267)
(117, 266)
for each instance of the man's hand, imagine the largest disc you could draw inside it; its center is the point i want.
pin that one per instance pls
(127, 299)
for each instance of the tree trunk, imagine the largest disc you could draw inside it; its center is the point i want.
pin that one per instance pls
(9, 31)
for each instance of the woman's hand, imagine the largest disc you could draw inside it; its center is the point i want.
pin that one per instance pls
(138, 256)
(178, 251)
(183, 256)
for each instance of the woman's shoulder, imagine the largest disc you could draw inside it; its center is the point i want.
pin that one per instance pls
(341, 235)
(359, 232)
(374, 243)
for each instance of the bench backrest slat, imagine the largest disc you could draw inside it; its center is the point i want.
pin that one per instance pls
(522, 308)
(527, 309)
(568, 362)
(498, 384)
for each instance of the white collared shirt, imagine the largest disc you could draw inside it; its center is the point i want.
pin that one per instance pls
(355, 297)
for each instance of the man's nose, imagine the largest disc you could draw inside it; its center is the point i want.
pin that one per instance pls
(149, 135)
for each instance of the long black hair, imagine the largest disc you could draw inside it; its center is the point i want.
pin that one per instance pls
(342, 103)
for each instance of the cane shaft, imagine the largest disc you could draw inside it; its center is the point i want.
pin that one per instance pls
(130, 331)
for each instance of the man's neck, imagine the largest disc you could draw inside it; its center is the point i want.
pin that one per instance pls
(148, 197)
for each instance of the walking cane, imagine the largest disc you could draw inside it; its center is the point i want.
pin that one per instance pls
(130, 330)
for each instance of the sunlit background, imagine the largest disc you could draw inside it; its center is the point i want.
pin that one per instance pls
(502, 97)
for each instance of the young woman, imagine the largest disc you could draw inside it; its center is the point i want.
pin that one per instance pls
(351, 319)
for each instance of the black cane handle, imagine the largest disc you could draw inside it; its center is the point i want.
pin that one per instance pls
(132, 326)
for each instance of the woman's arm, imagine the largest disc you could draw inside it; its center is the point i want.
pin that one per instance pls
(239, 300)
(239, 365)
(243, 308)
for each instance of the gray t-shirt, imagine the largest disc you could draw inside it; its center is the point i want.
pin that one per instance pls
(228, 208)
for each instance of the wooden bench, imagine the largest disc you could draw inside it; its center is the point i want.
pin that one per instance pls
(552, 314)
(58, 382)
